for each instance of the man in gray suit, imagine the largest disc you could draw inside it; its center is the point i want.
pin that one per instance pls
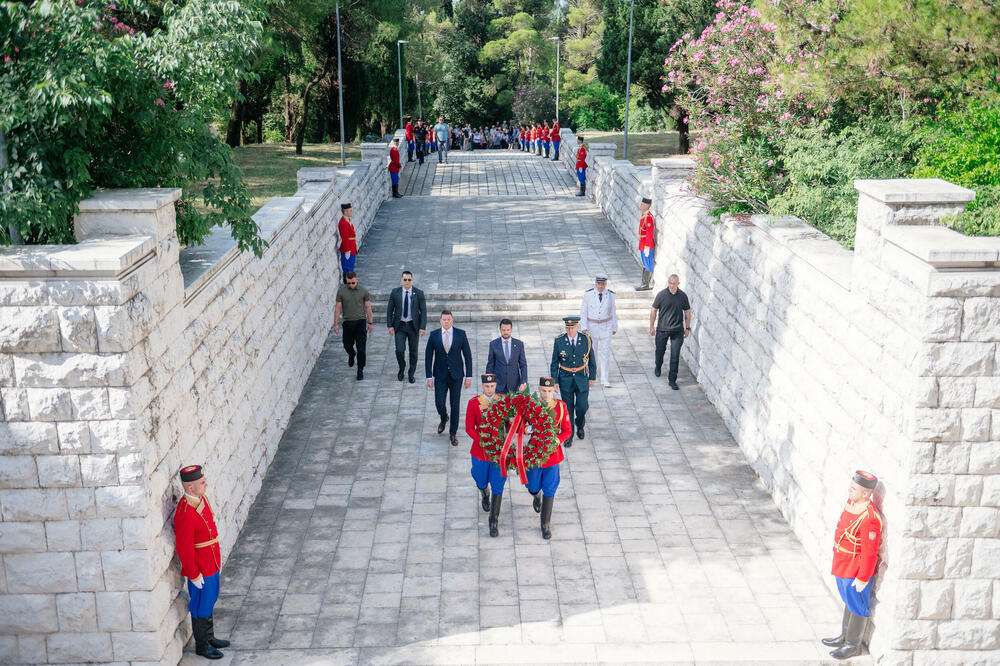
(406, 318)
(506, 360)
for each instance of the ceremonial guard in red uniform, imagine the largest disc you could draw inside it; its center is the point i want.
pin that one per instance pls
(201, 558)
(348, 243)
(581, 166)
(411, 144)
(554, 135)
(647, 244)
(484, 472)
(546, 137)
(855, 554)
(544, 480)
(394, 168)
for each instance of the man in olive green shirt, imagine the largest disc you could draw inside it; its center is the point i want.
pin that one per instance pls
(355, 303)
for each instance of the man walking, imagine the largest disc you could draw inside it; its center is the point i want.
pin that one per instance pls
(420, 136)
(197, 541)
(599, 320)
(647, 244)
(348, 243)
(670, 319)
(406, 318)
(355, 303)
(544, 480)
(443, 133)
(394, 168)
(556, 139)
(506, 359)
(484, 472)
(573, 367)
(581, 166)
(446, 348)
(411, 143)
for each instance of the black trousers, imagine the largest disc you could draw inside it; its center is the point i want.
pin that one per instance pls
(676, 338)
(356, 338)
(405, 333)
(421, 148)
(451, 389)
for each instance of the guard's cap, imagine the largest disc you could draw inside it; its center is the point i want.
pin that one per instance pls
(345, 206)
(191, 473)
(579, 138)
(571, 320)
(488, 378)
(647, 200)
(601, 277)
(865, 479)
(546, 381)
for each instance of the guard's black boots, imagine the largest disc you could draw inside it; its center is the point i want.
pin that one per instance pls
(583, 190)
(556, 158)
(212, 640)
(852, 638)
(202, 647)
(837, 641)
(547, 516)
(495, 515)
(546, 153)
(395, 192)
(485, 494)
(402, 365)
(536, 503)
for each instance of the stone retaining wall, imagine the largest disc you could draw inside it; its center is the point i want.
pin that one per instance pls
(822, 361)
(114, 373)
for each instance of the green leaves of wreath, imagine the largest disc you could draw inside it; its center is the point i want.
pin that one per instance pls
(542, 441)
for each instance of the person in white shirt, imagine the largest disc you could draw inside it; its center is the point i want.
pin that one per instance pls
(599, 318)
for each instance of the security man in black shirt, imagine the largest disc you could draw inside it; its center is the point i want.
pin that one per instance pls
(670, 319)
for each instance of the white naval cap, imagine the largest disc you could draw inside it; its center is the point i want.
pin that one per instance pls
(601, 277)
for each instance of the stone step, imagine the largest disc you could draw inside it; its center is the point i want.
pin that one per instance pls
(626, 297)
(541, 314)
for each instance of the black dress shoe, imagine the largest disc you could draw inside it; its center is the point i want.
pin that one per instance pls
(657, 372)
(361, 374)
(350, 360)
(579, 432)
(569, 442)
(674, 386)
(454, 440)
(443, 424)
(399, 375)
(411, 379)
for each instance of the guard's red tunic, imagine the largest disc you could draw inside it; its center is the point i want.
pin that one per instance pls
(409, 132)
(474, 412)
(647, 229)
(394, 164)
(347, 241)
(565, 430)
(855, 543)
(555, 133)
(197, 538)
(547, 133)
(581, 157)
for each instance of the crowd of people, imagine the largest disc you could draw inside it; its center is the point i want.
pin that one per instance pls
(422, 139)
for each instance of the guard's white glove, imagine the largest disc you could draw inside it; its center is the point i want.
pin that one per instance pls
(347, 254)
(860, 586)
(198, 582)
(645, 252)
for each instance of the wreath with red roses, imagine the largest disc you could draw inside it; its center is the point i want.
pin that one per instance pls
(541, 430)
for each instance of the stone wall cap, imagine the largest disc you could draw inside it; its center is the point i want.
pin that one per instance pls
(914, 191)
(673, 162)
(95, 257)
(316, 174)
(943, 247)
(601, 146)
(133, 199)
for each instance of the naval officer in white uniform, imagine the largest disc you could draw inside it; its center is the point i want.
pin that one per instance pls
(599, 318)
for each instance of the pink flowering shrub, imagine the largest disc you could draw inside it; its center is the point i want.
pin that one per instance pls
(533, 104)
(739, 117)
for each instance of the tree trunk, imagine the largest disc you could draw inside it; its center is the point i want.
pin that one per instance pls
(291, 117)
(234, 133)
(683, 131)
(260, 129)
(300, 130)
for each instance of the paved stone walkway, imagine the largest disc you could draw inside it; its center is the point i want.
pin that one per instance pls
(367, 544)
(486, 172)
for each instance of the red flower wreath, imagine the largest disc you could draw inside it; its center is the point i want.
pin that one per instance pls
(502, 415)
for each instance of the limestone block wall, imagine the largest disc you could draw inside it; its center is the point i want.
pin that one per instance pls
(822, 361)
(114, 373)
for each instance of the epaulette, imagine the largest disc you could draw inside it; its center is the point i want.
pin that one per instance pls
(591, 289)
(611, 291)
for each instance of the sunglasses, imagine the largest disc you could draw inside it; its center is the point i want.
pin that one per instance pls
(352, 282)
(407, 279)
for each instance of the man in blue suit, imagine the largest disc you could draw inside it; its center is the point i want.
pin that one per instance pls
(506, 360)
(443, 357)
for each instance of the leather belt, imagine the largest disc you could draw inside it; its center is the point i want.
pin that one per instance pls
(599, 321)
(206, 544)
(563, 367)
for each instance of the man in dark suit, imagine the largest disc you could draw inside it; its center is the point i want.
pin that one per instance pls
(506, 360)
(407, 320)
(446, 348)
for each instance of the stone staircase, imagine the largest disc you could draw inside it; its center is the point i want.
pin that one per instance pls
(472, 306)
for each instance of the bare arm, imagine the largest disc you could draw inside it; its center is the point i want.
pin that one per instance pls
(370, 316)
(336, 316)
(652, 321)
(687, 322)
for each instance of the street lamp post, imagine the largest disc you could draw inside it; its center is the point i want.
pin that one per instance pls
(340, 91)
(628, 77)
(556, 40)
(399, 71)
(531, 77)
(420, 104)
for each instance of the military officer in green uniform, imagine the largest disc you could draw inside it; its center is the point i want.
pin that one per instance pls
(574, 368)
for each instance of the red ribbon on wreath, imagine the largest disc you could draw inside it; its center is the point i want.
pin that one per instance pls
(516, 429)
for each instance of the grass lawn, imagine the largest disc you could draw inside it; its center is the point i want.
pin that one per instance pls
(269, 168)
(642, 146)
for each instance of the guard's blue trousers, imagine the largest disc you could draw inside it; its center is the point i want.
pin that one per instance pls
(484, 472)
(545, 479)
(347, 264)
(581, 175)
(394, 176)
(858, 603)
(203, 600)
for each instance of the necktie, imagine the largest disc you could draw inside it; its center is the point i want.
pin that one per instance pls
(506, 350)
(600, 297)
(446, 340)
(406, 304)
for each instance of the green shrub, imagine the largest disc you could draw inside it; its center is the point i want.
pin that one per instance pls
(963, 147)
(596, 106)
(821, 163)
